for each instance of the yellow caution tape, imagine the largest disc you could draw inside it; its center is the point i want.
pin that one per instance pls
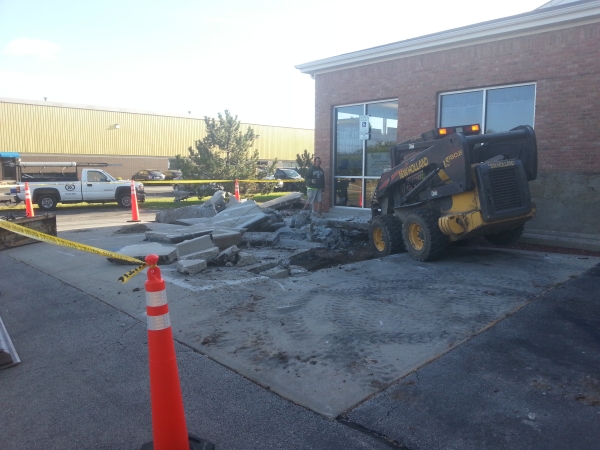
(169, 182)
(133, 272)
(24, 231)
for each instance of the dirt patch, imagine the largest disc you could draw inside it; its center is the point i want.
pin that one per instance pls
(133, 229)
(321, 258)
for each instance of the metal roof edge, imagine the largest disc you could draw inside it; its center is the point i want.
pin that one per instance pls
(126, 111)
(535, 21)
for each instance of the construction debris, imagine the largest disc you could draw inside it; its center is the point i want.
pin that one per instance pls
(276, 242)
(209, 208)
(192, 266)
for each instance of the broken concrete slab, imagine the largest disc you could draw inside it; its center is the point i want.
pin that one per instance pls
(227, 255)
(301, 219)
(240, 222)
(208, 255)
(296, 271)
(245, 259)
(178, 235)
(191, 267)
(226, 238)
(276, 272)
(241, 209)
(209, 208)
(194, 245)
(260, 239)
(166, 253)
(292, 233)
(345, 223)
(185, 212)
(284, 202)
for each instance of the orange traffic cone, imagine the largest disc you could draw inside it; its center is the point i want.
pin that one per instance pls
(237, 190)
(28, 204)
(135, 215)
(169, 430)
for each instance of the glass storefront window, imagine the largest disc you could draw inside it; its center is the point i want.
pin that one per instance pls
(461, 109)
(358, 164)
(508, 108)
(496, 110)
(383, 121)
(349, 147)
(369, 191)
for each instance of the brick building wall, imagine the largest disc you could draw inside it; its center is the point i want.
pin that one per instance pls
(564, 64)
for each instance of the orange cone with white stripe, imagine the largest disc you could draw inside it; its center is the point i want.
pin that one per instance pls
(135, 214)
(169, 430)
(237, 190)
(28, 204)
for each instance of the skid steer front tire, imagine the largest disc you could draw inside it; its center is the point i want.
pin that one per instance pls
(422, 236)
(385, 234)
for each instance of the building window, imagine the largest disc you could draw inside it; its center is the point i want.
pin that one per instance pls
(359, 163)
(495, 109)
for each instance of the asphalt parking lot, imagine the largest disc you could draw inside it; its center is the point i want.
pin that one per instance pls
(484, 349)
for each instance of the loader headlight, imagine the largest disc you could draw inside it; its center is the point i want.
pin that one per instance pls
(467, 130)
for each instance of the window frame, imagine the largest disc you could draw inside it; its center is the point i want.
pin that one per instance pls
(485, 96)
(334, 154)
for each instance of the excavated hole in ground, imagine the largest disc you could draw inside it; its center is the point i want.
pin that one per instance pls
(320, 258)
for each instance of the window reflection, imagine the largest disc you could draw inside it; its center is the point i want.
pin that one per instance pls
(508, 108)
(356, 159)
(383, 120)
(461, 109)
(348, 145)
(370, 186)
(348, 192)
(504, 109)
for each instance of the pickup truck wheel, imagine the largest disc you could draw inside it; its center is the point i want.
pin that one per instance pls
(47, 202)
(175, 187)
(124, 201)
(422, 236)
(385, 234)
(507, 237)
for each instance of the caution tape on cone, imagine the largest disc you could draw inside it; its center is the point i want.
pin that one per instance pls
(24, 231)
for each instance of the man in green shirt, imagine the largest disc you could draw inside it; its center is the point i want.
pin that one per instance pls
(315, 183)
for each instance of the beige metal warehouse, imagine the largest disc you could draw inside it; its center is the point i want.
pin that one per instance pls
(134, 140)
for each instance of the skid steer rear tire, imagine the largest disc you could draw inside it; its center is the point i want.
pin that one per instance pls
(507, 237)
(422, 236)
(385, 234)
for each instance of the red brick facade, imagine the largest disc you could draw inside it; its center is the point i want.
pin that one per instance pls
(564, 64)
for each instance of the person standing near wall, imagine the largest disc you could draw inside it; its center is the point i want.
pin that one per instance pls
(315, 183)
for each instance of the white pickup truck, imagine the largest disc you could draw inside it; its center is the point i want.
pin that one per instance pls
(51, 183)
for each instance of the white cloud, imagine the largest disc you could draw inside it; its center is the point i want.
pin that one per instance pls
(42, 50)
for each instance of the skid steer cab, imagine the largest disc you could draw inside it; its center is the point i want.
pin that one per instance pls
(452, 184)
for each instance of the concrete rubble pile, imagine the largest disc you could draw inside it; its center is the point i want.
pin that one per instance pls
(260, 239)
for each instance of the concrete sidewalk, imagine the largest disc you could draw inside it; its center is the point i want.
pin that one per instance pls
(345, 342)
(83, 381)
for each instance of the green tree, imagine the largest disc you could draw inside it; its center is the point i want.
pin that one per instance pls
(303, 162)
(225, 152)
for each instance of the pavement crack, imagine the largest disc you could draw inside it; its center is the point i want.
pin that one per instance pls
(372, 433)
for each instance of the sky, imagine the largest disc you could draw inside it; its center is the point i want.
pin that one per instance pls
(199, 58)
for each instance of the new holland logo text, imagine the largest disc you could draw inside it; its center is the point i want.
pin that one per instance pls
(501, 164)
(454, 155)
(412, 168)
